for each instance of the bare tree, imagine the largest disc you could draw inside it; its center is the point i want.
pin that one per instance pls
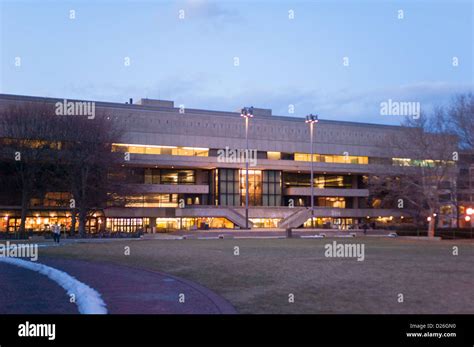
(460, 117)
(30, 140)
(88, 158)
(47, 152)
(424, 168)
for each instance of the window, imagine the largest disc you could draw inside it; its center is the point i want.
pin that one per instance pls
(127, 225)
(331, 181)
(330, 158)
(228, 187)
(320, 181)
(331, 202)
(255, 187)
(274, 155)
(160, 150)
(55, 199)
(271, 188)
(146, 200)
(165, 176)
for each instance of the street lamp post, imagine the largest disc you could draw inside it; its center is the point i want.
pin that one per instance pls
(468, 218)
(311, 120)
(470, 199)
(247, 112)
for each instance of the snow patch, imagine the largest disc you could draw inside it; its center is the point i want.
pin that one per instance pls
(88, 300)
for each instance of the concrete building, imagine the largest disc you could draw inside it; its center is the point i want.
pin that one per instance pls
(185, 170)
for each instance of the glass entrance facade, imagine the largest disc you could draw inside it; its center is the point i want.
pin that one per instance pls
(255, 187)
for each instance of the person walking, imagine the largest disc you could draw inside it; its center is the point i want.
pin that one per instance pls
(56, 232)
(53, 232)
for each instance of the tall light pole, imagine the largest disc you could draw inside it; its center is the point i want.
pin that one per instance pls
(312, 119)
(247, 112)
(470, 210)
(468, 218)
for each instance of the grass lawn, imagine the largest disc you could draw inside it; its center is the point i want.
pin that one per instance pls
(259, 280)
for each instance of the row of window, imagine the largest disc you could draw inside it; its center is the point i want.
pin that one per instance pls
(204, 152)
(320, 181)
(152, 176)
(34, 144)
(419, 162)
(317, 158)
(264, 187)
(157, 200)
(160, 150)
(336, 159)
(165, 176)
(229, 178)
(319, 201)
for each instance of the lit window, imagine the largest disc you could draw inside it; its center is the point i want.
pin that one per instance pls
(274, 155)
(330, 158)
(160, 150)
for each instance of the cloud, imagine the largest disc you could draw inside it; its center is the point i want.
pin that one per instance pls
(210, 11)
(202, 91)
(363, 105)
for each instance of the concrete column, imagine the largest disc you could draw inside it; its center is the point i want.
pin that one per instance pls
(354, 182)
(153, 224)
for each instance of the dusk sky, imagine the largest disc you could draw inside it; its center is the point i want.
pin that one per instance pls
(282, 61)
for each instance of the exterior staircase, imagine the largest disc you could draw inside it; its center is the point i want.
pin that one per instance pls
(296, 219)
(236, 218)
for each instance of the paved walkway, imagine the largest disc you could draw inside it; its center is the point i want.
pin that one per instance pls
(125, 290)
(24, 291)
(259, 233)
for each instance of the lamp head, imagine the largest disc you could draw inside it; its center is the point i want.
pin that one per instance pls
(312, 118)
(247, 112)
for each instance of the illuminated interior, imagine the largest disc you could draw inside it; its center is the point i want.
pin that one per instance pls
(160, 150)
(265, 222)
(419, 162)
(329, 158)
(200, 223)
(255, 187)
(274, 155)
(169, 176)
(336, 202)
(42, 221)
(293, 179)
(151, 200)
(127, 225)
(330, 223)
(32, 143)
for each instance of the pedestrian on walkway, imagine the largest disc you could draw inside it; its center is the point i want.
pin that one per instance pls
(56, 232)
(365, 227)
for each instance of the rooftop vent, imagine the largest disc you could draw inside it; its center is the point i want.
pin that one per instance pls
(156, 102)
(262, 111)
